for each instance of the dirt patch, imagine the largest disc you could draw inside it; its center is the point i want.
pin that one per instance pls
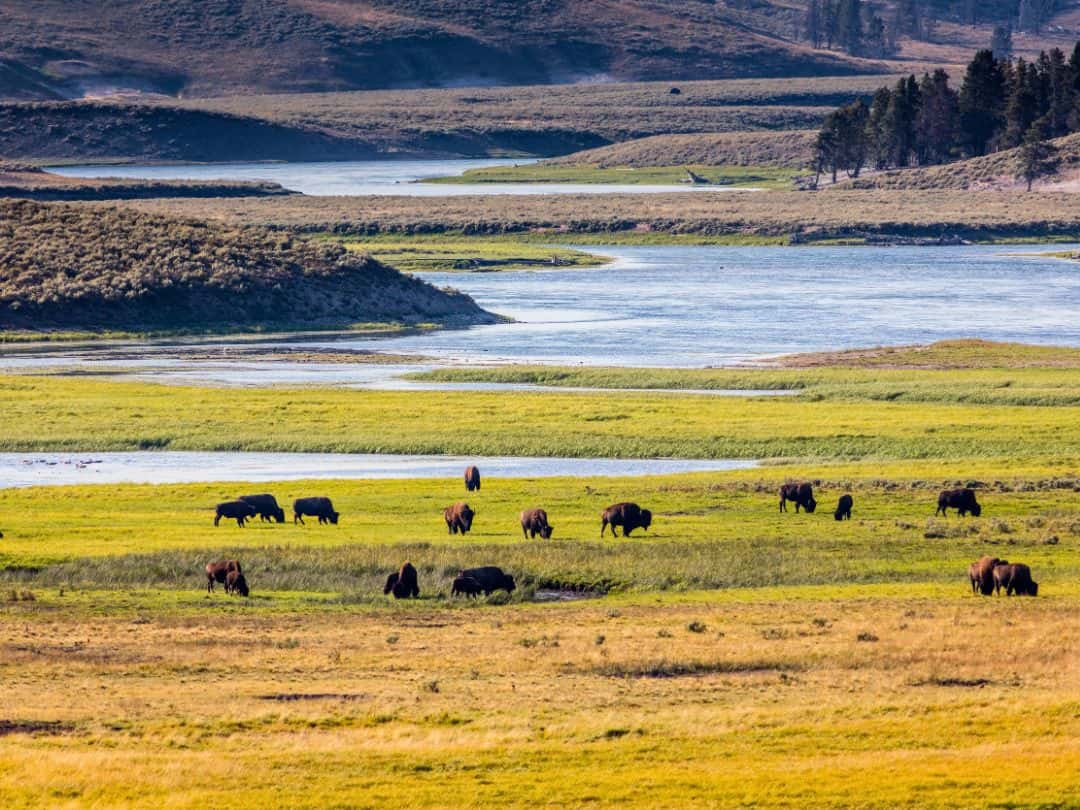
(971, 683)
(683, 669)
(39, 727)
(559, 595)
(288, 697)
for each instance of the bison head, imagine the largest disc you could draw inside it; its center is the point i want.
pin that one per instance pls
(838, 515)
(241, 586)
(508, 583)
(1033, 589)
(976, 510)
(333, 516)
(279, 516)
(810, 505)
(467, 516)
(646, 518)
(546, 531)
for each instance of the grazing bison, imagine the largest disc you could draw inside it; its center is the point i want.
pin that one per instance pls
(981, 574)
(236, 584)
(234, 509)
(628, 515)
(534, 522)
(962, 500)
(459, 518)
(489, 578)
(266, 507)
(404, 584)
(1015, 577)
(466, 586)
(843, 508)
(314, 507)
(219, 572)
(801, 494)
(472, 478)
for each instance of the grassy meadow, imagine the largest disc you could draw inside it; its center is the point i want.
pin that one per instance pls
(420, 253)
(735, 176)
(731, 656)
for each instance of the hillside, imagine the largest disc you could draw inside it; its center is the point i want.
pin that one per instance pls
(73, 48)
(793, 150)
(994, 171)
(68, 267)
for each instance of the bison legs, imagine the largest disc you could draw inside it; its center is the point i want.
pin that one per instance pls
(217, 519)
(297, 517)
(783, 504)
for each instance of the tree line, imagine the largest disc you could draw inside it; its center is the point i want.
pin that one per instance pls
(870, 29)
(1001, 104)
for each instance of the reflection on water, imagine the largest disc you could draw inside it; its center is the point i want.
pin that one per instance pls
(176, 467)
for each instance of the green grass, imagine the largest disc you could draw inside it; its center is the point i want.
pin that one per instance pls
(442, 253)
(871, 416)
(735, 176)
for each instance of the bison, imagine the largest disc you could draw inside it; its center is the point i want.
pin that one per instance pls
(981, 574)
(535, 522)
(239, 510)
(321, 508)
(489, 578)
(802, 494)
(962, 500)
(266, 507)
(466, 586)
(404, 584)
(236, 584)
(459, 518)
(1015, 577)
(472, 478)
(843, 508)
(628, 515)
(219, 572)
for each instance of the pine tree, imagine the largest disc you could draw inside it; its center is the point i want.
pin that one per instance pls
(982, 100)
(1036, 157)
(813, 23)
(937, 122)
(849, 25)
(1022, 106)
(877, 139)
(898, 125)
(1057, 92)
(1001, 42)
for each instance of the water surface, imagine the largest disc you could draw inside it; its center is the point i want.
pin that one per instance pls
(178, 467)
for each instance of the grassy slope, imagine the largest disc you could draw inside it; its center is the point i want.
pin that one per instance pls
(994, 171)
(419, 253)
(791, 150)
(74, 268)
(754, 177)
(776, 215)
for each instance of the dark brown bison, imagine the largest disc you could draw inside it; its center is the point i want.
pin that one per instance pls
(459, 518)
(321, 508)
(472, 478)
(239, 510)
(628, 515)
(981, 574)
(236, 584)
(266, 507)
(219, 571)
(466, 586)
(962, 500)
(490, 578)
(535, 522)
(843, 508)
(802, 494)
(1015, 578)
(404, 584)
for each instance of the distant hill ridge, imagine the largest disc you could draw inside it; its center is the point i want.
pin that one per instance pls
(53, 49)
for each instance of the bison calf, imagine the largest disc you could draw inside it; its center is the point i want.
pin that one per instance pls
(1015, 578)
(321, 508)
(843, 508)
(472, 479)
(459, 518)
(628, 515)
(962, 500)
(801, 494)
(219, 572)
(239, 510)
(236, 584)
(535, 522)
(466, 586)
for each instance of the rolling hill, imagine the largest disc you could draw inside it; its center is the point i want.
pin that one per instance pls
(74, 48)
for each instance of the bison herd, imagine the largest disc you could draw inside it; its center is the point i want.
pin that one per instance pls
(988, 574)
